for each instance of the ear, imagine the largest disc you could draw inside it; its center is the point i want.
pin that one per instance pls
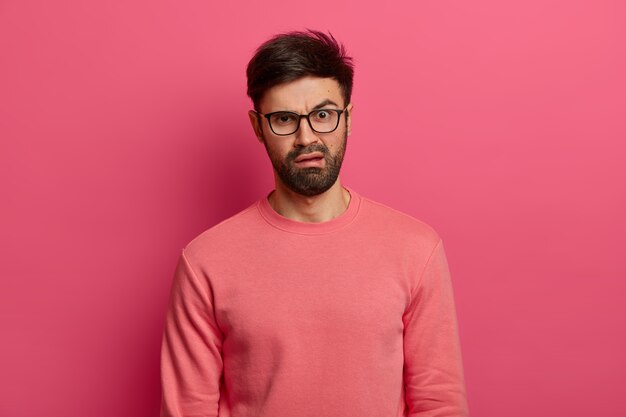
(349, 109)
(256, 125)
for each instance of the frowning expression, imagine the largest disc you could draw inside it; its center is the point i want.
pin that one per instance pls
(307, 162)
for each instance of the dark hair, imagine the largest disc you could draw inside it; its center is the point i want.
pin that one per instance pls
(293, 55)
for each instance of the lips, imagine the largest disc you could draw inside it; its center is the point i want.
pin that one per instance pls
(314, 156)
(310, 160)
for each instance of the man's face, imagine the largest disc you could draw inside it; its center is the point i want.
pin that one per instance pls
(306, 162)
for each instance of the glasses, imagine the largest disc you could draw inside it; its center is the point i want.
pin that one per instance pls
(285, 123)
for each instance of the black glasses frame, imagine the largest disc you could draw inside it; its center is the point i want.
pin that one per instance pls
(300, 116)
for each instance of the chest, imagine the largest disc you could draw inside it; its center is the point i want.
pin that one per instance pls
(300, 302)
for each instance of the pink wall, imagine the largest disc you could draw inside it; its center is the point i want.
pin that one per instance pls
(123, 134)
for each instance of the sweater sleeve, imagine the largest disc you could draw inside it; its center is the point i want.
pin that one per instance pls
(191, 360)
(433, 371)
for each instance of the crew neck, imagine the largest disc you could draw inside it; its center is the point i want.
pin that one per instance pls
(307, 228)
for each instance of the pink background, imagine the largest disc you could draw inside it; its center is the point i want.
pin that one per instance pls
(124, 134)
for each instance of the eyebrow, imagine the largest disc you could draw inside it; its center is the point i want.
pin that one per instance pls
(319, 106)
(325, 103)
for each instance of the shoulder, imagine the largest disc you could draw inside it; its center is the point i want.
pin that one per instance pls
(224, 235)
(398, 224)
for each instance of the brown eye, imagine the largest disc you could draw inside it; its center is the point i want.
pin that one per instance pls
(283, 118)
(323, 117)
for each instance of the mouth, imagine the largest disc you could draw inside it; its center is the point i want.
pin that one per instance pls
(313, 156)
(315, 159)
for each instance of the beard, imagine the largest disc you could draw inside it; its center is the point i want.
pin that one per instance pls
(309, 181)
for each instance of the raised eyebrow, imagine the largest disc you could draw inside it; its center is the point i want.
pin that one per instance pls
(319, 106)
(325, 103)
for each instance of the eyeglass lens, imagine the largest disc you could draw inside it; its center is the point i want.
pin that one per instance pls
(322, 121)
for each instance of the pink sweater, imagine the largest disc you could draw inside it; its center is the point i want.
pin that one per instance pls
(353, 317)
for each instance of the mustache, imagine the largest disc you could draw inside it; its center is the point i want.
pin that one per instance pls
(316, 147)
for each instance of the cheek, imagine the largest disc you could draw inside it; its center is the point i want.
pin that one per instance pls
(335, 143)
(278, 150)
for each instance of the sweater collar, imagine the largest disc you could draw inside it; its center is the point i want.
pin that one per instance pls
(306, 228)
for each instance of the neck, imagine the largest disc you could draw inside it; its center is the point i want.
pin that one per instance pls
(310, 209)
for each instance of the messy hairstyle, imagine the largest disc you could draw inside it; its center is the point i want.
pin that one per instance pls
(293, 55)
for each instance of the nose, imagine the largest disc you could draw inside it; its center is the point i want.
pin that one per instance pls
(305, 135)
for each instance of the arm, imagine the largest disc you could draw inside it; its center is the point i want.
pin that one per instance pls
(433, 370)
(191, 361)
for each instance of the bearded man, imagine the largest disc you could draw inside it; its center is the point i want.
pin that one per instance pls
(315, 301)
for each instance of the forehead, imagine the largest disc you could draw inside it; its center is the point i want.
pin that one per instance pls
(301, 95)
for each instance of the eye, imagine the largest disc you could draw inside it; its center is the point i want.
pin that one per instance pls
(284, 118)
(323, 116)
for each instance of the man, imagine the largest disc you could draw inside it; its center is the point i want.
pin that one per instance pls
(314, 301)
